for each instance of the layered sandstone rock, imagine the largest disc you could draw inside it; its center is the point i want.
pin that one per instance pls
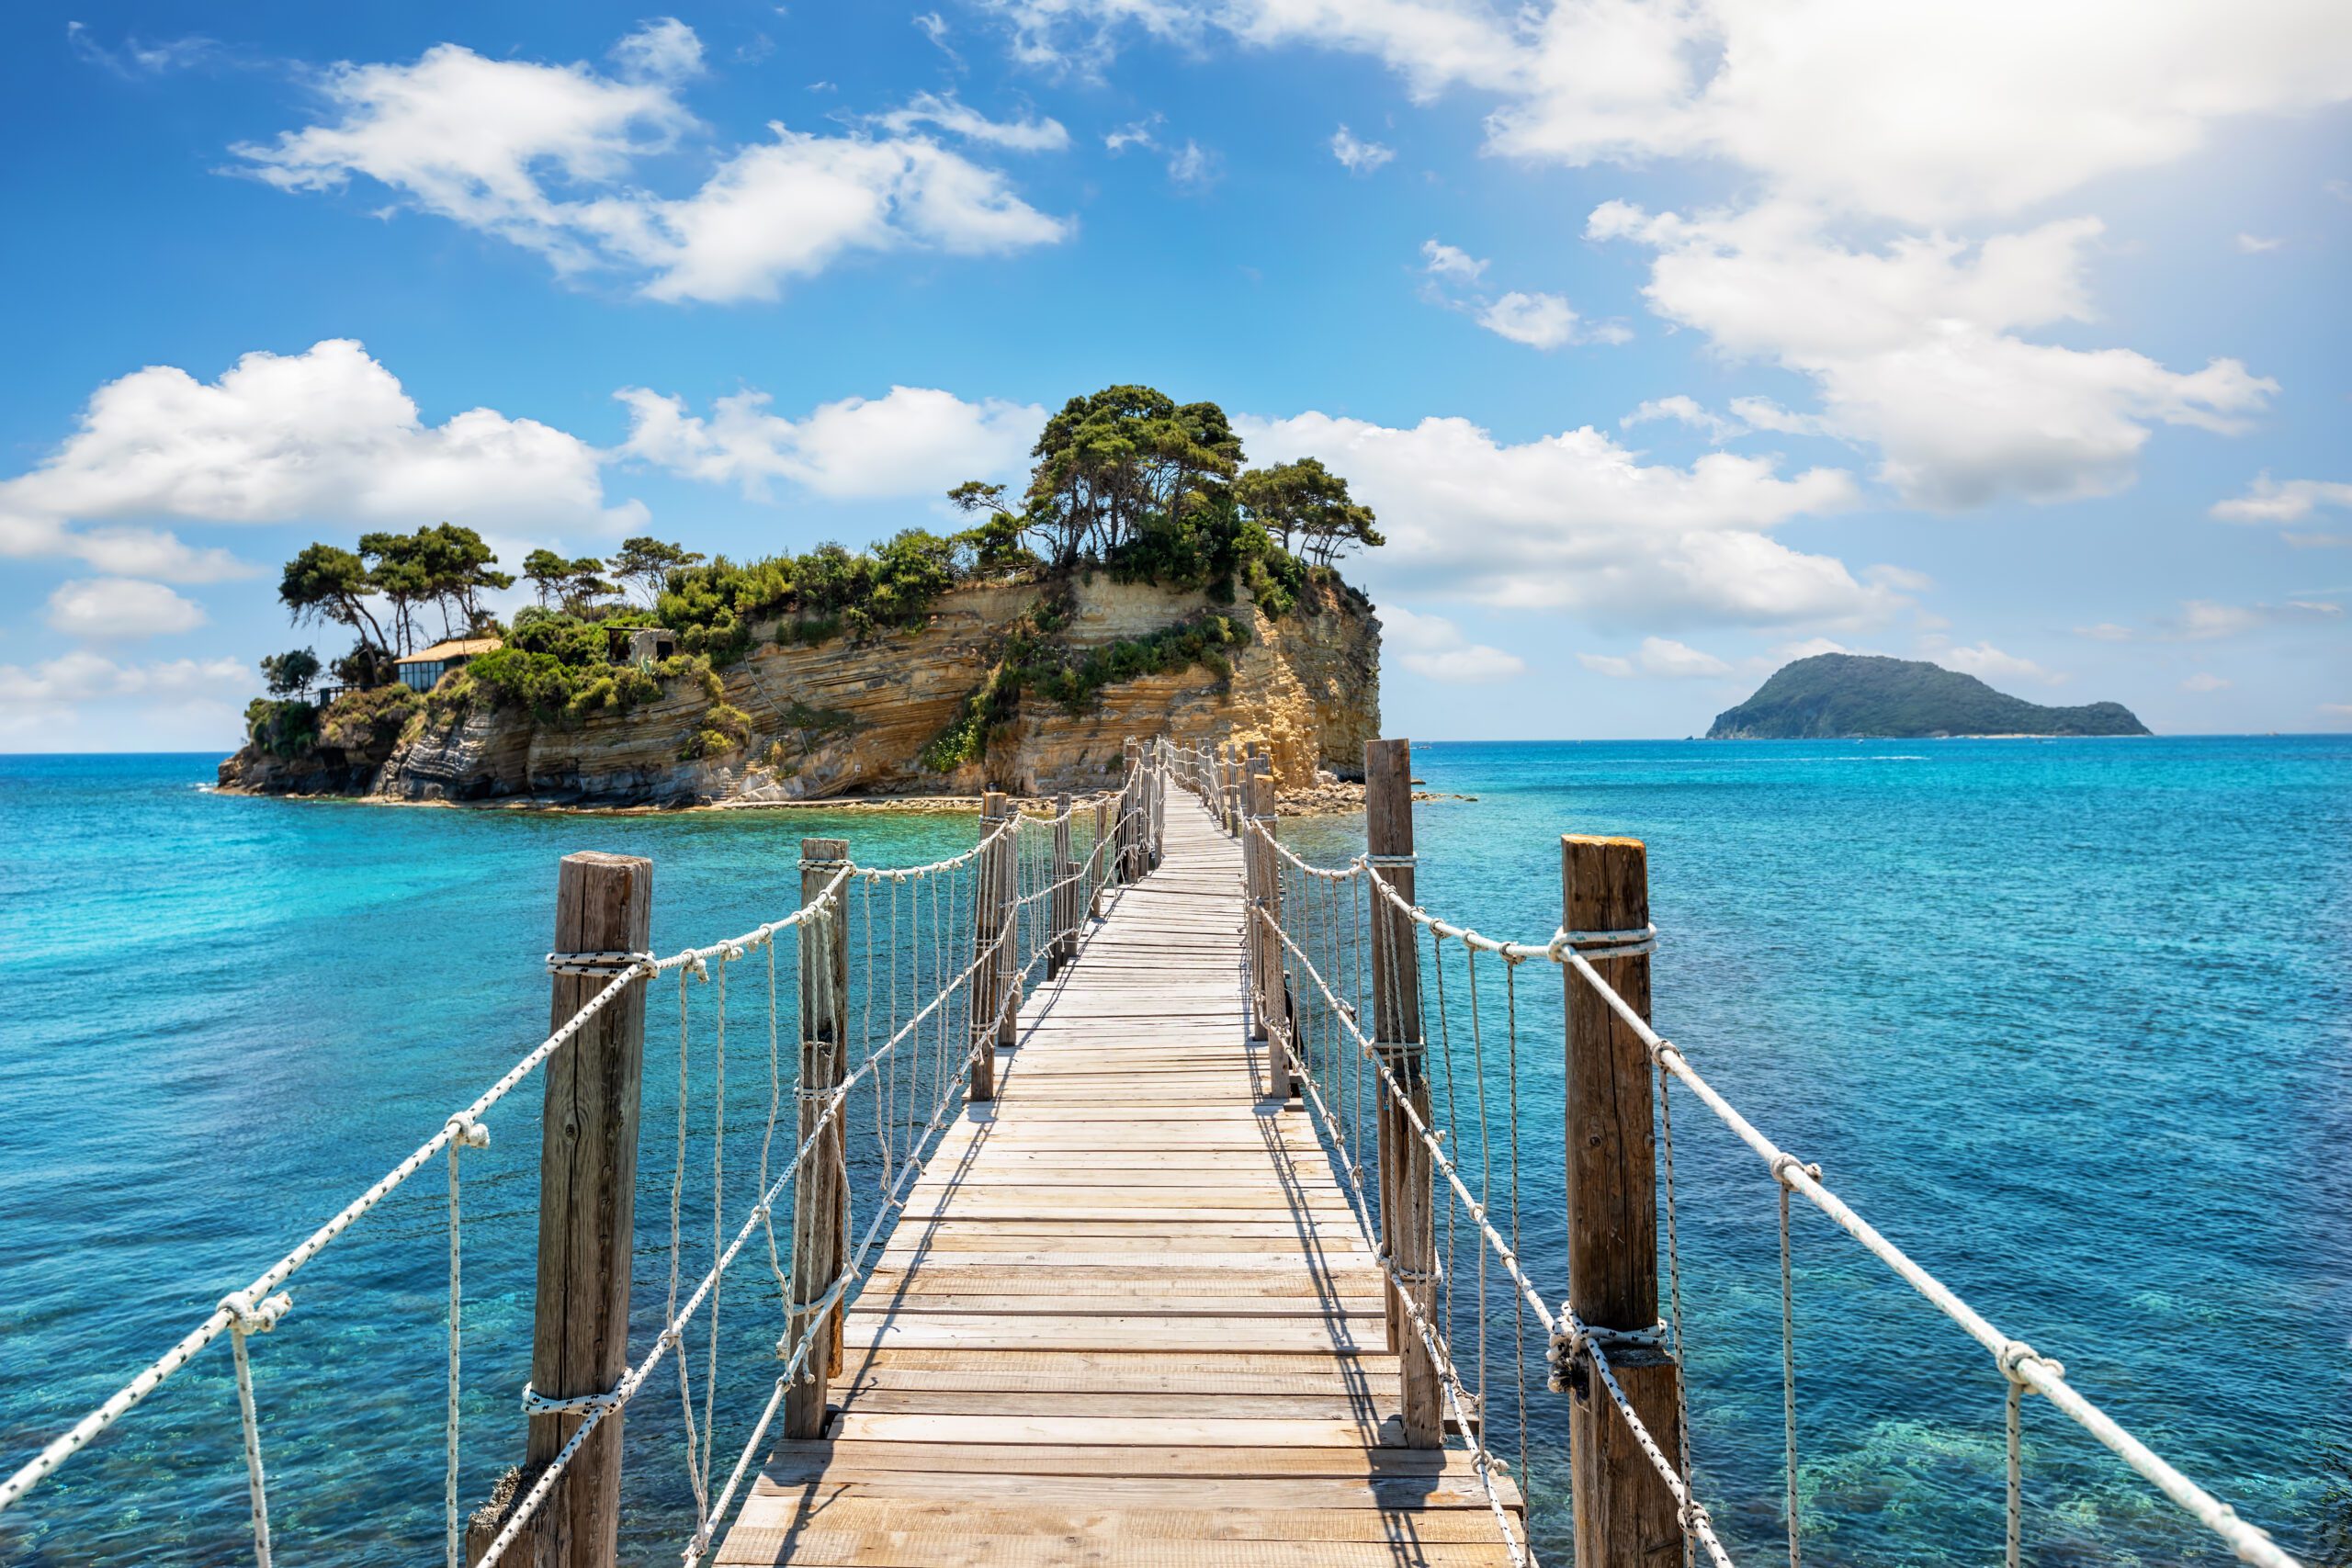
(843, 718)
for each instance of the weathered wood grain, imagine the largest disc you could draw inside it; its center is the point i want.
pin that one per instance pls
(1128, 1317)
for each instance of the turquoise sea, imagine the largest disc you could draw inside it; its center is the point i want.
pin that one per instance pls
(2071, 1021)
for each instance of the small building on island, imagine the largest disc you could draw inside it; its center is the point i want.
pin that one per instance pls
(640, 646)
(423, 668)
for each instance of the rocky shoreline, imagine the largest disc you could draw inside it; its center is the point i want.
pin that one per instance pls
(820, 723)
(1330, 798)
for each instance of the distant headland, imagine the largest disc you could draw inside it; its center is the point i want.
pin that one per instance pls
(1839, 697)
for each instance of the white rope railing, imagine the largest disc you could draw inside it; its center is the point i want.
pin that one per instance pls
(1332, 897)
(1043, 892)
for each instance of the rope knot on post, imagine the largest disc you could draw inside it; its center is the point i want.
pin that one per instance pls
(606, 963)
(467, 1133)
(1575, 1341)
(247, 1317)
(537, 1404)
(2012, 1358)
(1784, 1163)
(1635, 943)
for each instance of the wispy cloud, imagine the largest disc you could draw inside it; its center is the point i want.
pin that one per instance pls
(2208, 620)
(136, 59)
(1541, 320)
(1358, 156)
(1657, 656)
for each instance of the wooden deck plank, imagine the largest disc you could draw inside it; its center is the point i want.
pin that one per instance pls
(1127, 1318)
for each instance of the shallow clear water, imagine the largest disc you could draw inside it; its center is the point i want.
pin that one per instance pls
(2068, 1020)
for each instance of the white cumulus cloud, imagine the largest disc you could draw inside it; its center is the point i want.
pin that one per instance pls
(1928, 112)
(915, 441)
(1433, 647)
(116, 608)
(326, 435)
(1575, 521)
(549, 157)
(1914, 349)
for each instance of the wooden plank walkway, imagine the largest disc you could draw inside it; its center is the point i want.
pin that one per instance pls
(1127, 1320)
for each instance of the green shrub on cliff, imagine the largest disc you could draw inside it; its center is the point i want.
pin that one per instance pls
(555, 666)
(724, 729)
(825, 593)
(288, 728)
(369, 721)
(1035, 662)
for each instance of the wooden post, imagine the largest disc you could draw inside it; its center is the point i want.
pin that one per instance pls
(1253, 896)
(989, 912)
(1624, 1516)
(1064, 903)
(588, 1207)
(1143, 809)
(1159, 757)
(820, 1242)
(1101, 860)
(1267, 956)
(1407, 1199)
(1129, 830)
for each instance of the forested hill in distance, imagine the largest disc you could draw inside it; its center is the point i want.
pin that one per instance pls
(1840, 697)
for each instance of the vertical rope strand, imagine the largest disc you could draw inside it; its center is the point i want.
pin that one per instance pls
(257, 1484)
(464, 1133)
(1788, 1375)
(2015, 1425)
(1674, 1306)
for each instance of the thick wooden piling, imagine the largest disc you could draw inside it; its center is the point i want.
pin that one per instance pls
(588, 1207)
(1269, 1001)
(1100, 877)
(819, 1240)
(1130, 827)
(1624, 1516)
(1407, 1202)
(990, 912)
(1064, 903)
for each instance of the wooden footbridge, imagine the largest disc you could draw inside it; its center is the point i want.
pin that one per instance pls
(1127, 1315)
(1145, 1197)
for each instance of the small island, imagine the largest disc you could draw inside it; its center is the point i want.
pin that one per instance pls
(1144, 581)
(1852, 697)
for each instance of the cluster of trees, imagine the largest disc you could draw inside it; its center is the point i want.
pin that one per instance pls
(1130, 478)
(582, 585)
(388, 591)
(384, 591)
(1126, 480)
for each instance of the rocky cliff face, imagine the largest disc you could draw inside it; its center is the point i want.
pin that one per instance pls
(845, 718)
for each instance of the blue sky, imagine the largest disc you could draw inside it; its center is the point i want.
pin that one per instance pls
(1668, 340)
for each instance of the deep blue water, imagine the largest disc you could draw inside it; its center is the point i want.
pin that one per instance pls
(2068, 1020)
